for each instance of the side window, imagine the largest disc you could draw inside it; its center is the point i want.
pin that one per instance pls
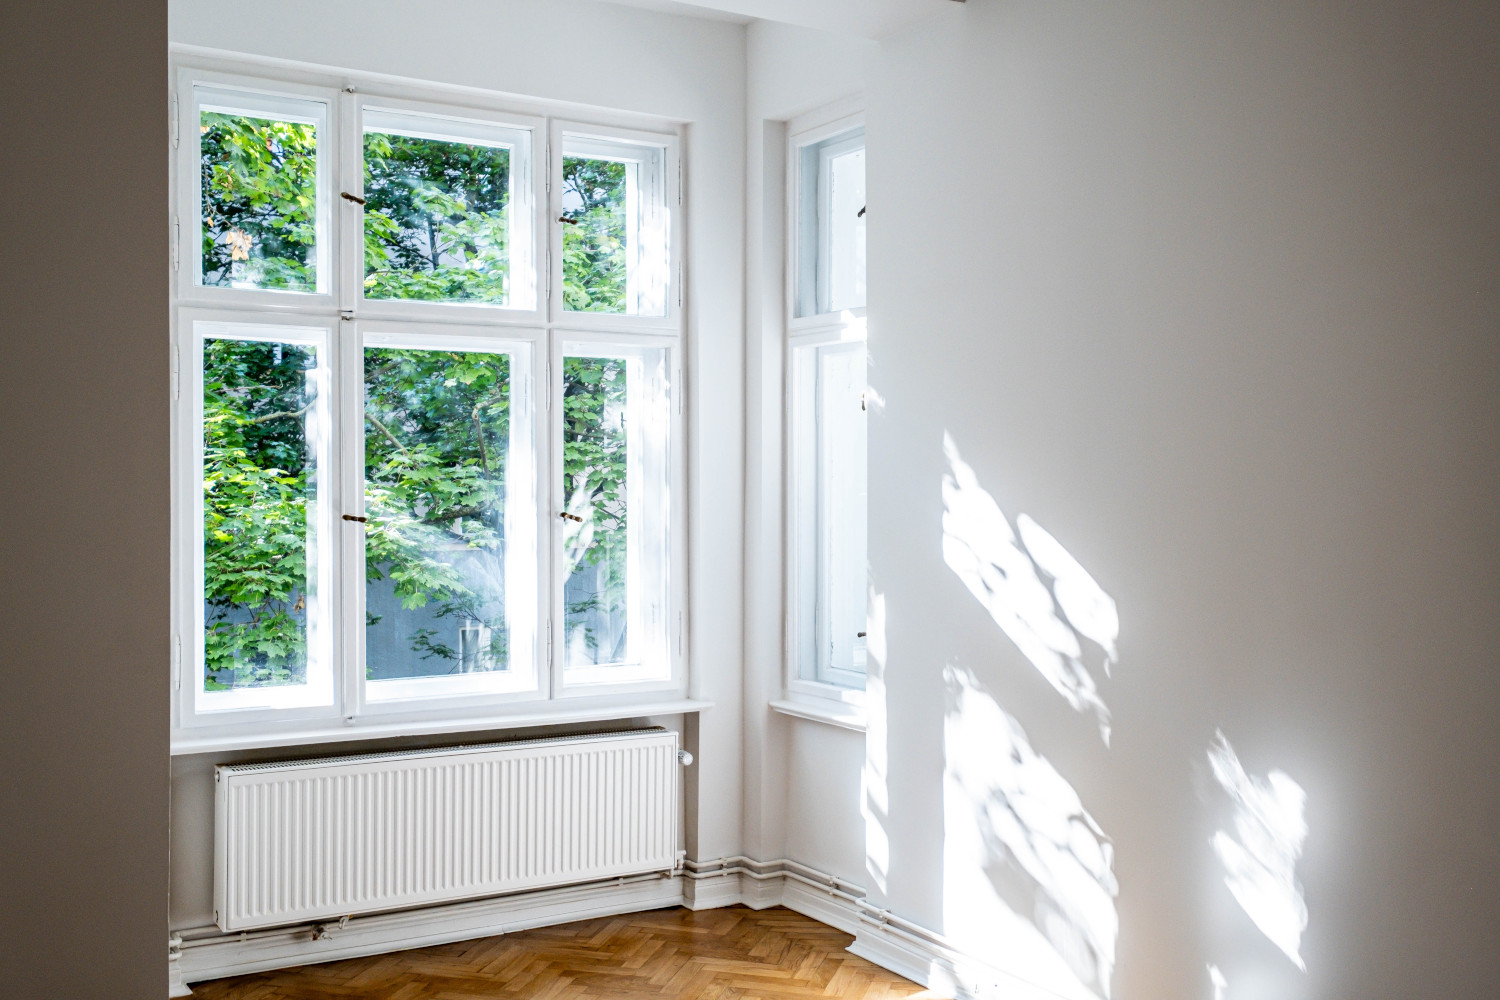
(828, 472)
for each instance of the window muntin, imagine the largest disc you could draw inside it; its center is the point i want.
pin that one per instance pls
(262, 201)
(263, 457)
(830, 224)
(616, 509)
(347, 677)
(830, 504)
(447, 214)
(614, 227)
(449, 542)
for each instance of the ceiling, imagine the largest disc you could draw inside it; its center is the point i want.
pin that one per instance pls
(869, 18)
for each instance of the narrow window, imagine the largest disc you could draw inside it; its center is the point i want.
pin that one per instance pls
(260, 200)
(831, 224)
(614, 228)
(445, 218)
(615, 516)
(265, 575)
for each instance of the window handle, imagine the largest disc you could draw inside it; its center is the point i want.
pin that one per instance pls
(859, 635)
(571, 517)
(355, 517)
(351, 197)
(571, 222)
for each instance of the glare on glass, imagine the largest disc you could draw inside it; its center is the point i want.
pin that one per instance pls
(598, 530)
(259, 179)
(842, 513)
(844, 175)
(260, 484)
(437, 219)
(437, 433)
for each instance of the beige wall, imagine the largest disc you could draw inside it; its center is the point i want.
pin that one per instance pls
(1211, 290)
(83, 519)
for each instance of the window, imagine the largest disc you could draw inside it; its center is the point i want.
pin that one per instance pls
(407, 494)
(828, 406)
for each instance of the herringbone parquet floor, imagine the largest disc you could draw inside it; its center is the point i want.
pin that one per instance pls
(729, 954)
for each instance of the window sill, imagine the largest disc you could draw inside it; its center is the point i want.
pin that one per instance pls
(374, 729)
(834, 713)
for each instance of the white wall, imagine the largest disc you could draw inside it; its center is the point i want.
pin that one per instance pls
(801, 778)
(603, 56)
(1210, 291)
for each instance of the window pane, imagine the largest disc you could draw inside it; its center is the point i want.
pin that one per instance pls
(437, 219)
(597, 237)
(260, 201)
(260, 485)
(846, 230)
(842, 513)
(437, 437)
(597, 535)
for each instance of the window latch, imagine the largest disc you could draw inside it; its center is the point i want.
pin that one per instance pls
(355, 517)
(351, 197)
(571, 517)
(571, 222)
(859, 635)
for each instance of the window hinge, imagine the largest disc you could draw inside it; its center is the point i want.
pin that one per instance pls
(549, 642)
(177, 663)
(176, 372)
(176, 124)
(176, 244)
(679, 182)
(346, 315)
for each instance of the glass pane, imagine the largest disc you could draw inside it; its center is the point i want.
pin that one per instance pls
(597, 233)
(259, 500)
(437, 434)
(437, 224)
(842, 512)
(846, 230)
(260, 201)
(596, 535)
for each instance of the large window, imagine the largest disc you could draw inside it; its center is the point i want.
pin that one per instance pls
(424, 480)
(828, 584)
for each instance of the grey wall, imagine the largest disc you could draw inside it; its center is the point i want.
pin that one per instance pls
(83, 462)
(1210, 290)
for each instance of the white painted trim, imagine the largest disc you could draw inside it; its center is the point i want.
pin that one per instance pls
(907, 949)
(834, 713)
(360, 730)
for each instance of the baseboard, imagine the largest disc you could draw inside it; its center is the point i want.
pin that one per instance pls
(216, 955)
(903, 948)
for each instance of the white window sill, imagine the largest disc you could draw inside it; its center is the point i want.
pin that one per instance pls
(834, 713)
(373, 729)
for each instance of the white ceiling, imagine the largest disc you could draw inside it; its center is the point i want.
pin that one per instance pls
(870, 18)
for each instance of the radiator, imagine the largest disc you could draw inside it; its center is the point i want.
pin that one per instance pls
(315, 839)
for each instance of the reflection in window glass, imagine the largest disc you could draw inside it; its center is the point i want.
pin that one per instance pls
(597, 534)
(259, 498)
(437, 433)
(437, 223)
(597, 236)
(259, 202)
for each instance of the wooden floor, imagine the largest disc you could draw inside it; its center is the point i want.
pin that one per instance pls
(728, 954)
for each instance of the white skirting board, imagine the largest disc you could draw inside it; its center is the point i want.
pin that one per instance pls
(921, 956)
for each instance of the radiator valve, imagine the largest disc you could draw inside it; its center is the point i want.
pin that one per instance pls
(684, 758)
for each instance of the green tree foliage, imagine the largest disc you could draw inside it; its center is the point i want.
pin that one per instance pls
(436, 437)
(594, 464)
(256, 489)
(594, 235)
(436, 225)
(259, 181)
(437, 424)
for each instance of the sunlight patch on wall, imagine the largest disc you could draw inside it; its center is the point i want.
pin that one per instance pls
(1028, 878)
(875, 800)
(1260, 857)
(1047, 623)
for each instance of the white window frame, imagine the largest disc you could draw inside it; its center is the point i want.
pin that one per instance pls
(809, 691)
(349, 322)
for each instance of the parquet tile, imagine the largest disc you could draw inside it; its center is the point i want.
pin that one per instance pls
(729, 954)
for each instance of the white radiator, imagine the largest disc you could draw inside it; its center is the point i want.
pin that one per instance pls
(315, 839)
